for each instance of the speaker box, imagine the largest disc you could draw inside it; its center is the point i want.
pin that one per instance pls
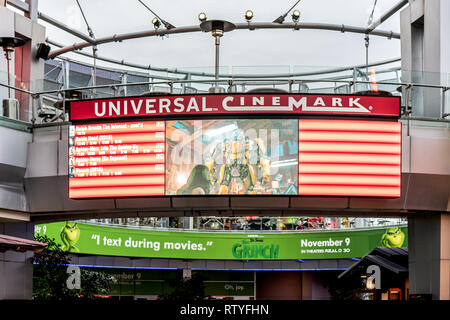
(42, 51)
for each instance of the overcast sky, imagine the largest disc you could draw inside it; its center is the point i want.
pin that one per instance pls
(238, 48)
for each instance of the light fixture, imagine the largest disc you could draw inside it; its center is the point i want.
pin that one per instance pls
(202, 16)
(248, 15)
(156, 22)
(8, 44)
(370, 283)
(217, 29)
(295, 15)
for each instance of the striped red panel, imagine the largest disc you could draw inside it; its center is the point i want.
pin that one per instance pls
(349, 158)
(117, 160)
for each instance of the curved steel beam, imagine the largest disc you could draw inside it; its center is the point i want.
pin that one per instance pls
(204, 74)
(65, 27)
(386, 16)
(250, 26)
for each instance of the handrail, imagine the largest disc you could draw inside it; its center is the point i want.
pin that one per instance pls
(248, 81)
(261, 231)
(243, 80)
(230, 82)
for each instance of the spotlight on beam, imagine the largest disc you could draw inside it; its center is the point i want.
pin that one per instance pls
(295, 16)
(248, 15)
(202, 16)
(156, 23)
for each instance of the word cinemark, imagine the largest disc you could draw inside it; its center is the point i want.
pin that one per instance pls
(140, 106)
(229, 309)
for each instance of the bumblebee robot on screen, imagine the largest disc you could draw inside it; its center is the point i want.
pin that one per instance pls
(236, 174)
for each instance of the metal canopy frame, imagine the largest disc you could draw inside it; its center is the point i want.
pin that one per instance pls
(239, 26)
(91, 41)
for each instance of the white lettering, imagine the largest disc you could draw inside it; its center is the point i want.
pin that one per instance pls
(100, 114)
(259, 101)
(164, 104)
(138, 108)
(276, 101)
(226, 100)
(178, 102)
(149, 106)
(318, 101)
(115, 108)
(336, 102)
(204, 108)
(192, 105)
(297, 104)
(355, 102)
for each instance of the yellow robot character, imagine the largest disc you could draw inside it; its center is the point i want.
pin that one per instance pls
(236, 155)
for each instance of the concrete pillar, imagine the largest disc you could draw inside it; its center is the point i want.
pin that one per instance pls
(429, 254)
(425, 48)
(16, 268)
(27, 70)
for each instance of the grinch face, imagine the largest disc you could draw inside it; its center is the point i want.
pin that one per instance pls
(70, 234)
(394, 237)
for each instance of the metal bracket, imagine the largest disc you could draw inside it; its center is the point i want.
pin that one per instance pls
(390, 35)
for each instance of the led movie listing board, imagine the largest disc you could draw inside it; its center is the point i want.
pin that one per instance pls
(289, 155)
(121, 159)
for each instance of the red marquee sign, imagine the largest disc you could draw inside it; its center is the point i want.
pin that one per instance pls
(294, 104)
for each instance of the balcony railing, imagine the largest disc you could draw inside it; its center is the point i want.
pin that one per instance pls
(425, 95)
(250, 224)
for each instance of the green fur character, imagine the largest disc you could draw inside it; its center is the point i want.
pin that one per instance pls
(394, 237)
(70, 234)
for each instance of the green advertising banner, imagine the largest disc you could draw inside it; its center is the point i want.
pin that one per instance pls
(121, 241)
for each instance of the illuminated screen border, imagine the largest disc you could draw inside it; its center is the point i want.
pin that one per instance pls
(273, 117)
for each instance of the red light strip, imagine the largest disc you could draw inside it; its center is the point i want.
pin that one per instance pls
(349, 147)
(119, 170)
(111, 192)
(117, 181)
(345, 125)
(119, 149)
(348, 180)
(119, 138)
(124, 127)
(345, 136)
(120, 159)
(355, 191)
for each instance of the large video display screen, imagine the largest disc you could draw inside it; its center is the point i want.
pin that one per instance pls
(231, 157)
(306, 157)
